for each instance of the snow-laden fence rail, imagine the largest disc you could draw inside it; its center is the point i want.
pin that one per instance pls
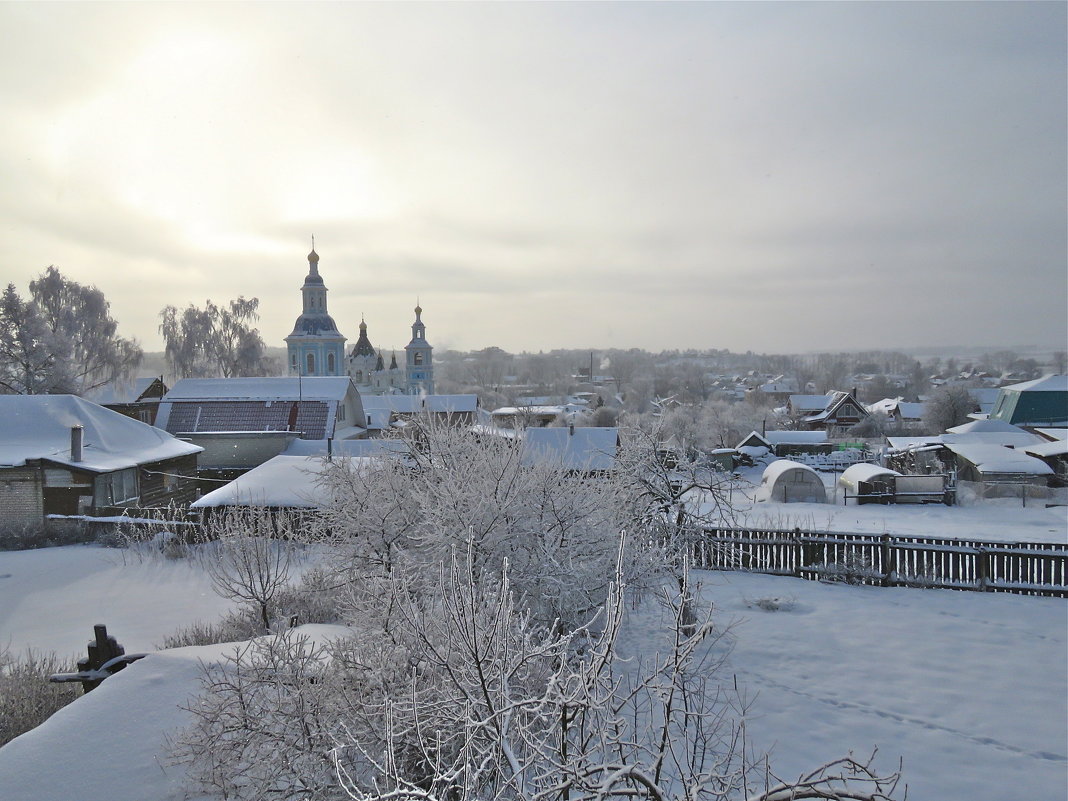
(889, 560)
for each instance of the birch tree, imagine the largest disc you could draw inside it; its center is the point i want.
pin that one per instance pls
(63, 339)
(215, 340)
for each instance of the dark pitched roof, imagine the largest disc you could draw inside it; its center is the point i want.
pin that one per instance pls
(312, 418)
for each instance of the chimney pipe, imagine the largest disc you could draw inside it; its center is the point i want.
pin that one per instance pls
(76, 433)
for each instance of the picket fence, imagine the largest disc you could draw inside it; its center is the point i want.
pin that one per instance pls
(889, 560)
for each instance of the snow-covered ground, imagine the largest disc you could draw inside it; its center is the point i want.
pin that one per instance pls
(991, 521)
(969, 688)
(51, 598)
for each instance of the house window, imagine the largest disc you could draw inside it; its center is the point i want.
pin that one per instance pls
(330, 364)
(311, 364)
(358, 375)
(341, 412)
(114, 489)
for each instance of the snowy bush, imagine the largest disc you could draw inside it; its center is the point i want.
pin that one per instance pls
(27, 698)
(241, 624)
(852, 568)
(313, 599)
(770, 604)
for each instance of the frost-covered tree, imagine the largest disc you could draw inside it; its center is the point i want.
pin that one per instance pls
(61, 340)
(453, 490)
(948, 406)
(252, 552)
(29, 364)
(215, 340)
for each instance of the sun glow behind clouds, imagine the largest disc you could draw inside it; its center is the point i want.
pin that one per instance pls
(331, 184)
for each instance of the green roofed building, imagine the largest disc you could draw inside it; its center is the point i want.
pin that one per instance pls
(1042, 402)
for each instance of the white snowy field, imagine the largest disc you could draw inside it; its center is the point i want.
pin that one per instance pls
(969, 688)
(990, 521)
(51, 598)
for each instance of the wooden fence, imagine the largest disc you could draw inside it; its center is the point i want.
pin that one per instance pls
(889, 560)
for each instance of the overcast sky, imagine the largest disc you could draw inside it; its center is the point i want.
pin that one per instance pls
(779, 177)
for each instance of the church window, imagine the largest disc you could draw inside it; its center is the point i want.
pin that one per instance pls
(311, 364)
(293, 361)
(330, 363)
(417, 358)
(358, 375)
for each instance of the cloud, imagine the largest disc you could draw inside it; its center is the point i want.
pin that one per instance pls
(653, 175)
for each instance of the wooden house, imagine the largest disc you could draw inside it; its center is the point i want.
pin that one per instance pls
(64, 455)
(139, 400)
(841, 412)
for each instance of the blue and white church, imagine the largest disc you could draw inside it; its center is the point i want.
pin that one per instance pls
(317, 348)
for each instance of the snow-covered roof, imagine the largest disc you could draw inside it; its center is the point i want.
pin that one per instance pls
(997, 459)
(910, 410)
(348, 447)
(1045, 450)
(450, 404)
(38, 427)
(398, 404)
(121, 391)
(863, 471)
(810, 403)
(911, 443)
(796, 437)
(986, 426)
(276, 388)
(986, 397)
(514, 411)
(781, 386)
(838, 400)
(1049, 383)
(1015, 439)
(585, 448)
(281, 482)
(1053, 433)
(780, 466)
(754, 436)
(884, 406)
(488, 429)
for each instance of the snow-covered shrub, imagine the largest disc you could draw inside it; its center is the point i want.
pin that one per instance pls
(852, 568)
(249, 556)
(264, 727)
(241, 624)
(27, 698)
(776, 604)
(313, 599)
